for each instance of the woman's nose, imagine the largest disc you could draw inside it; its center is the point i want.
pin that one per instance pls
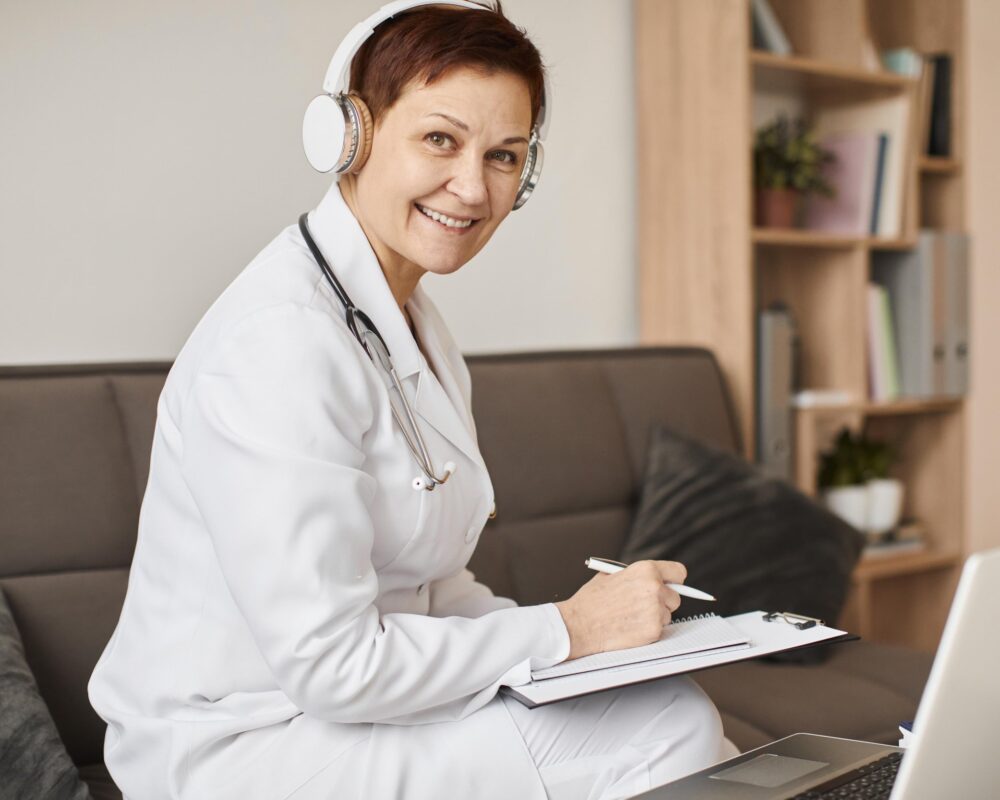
(469, 181)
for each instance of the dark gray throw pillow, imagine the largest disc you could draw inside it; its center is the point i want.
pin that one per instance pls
(33, 761)
(751, 541)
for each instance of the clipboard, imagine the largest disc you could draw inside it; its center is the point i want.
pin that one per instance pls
(769, 633)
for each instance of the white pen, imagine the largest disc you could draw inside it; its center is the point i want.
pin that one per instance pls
(610, 567)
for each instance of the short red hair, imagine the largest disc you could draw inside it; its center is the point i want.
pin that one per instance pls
(429, 41)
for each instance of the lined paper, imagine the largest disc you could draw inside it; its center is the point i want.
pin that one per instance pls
(681, 638)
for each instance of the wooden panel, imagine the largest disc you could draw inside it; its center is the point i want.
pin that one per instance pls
(693, 125)
(832, 30)
(911, 610)
(826, 291)
(942, 201)
(929, 454)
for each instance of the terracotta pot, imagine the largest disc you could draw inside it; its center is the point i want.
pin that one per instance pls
(777, 208)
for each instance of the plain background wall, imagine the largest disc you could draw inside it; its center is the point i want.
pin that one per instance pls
(149, 150)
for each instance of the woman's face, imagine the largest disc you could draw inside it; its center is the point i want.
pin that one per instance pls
(452, 150)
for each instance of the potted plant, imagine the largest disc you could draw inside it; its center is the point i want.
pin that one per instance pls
(854, 479)
(788, 165)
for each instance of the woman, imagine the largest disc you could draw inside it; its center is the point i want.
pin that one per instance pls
(299, 621)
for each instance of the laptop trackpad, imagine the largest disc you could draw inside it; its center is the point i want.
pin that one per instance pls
(769, 770)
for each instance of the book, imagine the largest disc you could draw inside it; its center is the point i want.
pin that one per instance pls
(884, 549)
(939, 143)
(685, 636)
(767, 32)
(852, 176)
(889, 116)
(888, 342)
(764, 638)
(883, 146)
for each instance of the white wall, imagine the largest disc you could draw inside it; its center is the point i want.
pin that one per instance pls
(149, 150)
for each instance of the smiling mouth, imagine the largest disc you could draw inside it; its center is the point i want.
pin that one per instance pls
(456, 223)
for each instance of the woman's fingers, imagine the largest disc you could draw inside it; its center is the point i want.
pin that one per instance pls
(671, 571)
(625, 609)
(669, 599)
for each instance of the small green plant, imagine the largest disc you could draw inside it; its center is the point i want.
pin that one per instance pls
(853, 460)
(785, 156)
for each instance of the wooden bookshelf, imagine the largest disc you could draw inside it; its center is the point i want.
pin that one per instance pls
(796, 72)
(706, 269)
(939, 165)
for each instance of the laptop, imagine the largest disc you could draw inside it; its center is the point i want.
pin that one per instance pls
(955, 748)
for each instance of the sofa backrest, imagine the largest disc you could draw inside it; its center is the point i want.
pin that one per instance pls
(564, 435)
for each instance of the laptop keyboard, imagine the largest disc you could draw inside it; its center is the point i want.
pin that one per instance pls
(872, 781)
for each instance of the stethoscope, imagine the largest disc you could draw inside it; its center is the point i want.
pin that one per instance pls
(374, 345)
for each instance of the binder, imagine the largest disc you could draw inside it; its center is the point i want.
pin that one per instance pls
(776, 344)
(955, 253)
(928, 293)
(767, 633)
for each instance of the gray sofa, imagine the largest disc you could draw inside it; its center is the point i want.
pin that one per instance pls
(564, 435)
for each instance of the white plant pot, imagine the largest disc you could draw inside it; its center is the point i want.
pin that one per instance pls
(850, 503)
(885, 504)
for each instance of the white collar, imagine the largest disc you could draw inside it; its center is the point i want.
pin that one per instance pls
(343, 242)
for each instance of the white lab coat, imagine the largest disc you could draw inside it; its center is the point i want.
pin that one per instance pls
(289, 586)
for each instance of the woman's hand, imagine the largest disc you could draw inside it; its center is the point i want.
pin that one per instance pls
(626, 609)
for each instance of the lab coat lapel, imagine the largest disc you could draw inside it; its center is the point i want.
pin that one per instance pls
(345, 246)
(441, 401)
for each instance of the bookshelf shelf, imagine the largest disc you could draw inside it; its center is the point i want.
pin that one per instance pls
(900, 407)
(787, 72)
(938, 165)
(706, 271)
(879, 567)
(797, 237)
(802, 237)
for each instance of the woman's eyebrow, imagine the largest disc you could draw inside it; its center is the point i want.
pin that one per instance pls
(462, 126)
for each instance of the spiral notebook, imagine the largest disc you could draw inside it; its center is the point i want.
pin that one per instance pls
(682, 637)
(687, 646)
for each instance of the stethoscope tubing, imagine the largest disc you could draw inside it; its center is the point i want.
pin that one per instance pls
(384, 358)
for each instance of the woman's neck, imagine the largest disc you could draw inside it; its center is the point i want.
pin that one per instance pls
(401, 275)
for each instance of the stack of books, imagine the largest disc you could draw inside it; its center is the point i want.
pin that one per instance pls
(869, 142)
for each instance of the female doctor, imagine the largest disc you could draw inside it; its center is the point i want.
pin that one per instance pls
(299, 622)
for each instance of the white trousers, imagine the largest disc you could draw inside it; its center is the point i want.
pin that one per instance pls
(600, 747)
(620, 743)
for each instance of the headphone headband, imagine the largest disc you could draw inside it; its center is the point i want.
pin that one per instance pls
(338, 73)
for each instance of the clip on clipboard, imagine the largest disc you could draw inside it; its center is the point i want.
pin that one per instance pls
(800, 621)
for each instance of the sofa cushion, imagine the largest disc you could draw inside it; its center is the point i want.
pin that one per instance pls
(65, 620)
(66, 479)
(862, 691)
(33, 761)
(752, 541)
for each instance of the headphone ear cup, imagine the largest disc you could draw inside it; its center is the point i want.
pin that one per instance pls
(323, 132)
(366, 133)
(531, 172)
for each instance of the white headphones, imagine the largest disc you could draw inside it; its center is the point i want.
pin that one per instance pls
(337, 129)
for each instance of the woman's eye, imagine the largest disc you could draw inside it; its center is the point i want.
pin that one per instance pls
(504, 156)
(439, 139)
